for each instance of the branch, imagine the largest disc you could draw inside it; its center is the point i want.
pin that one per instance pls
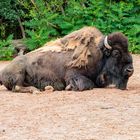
(22, 28)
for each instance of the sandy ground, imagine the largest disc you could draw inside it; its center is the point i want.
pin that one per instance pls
(98, 114)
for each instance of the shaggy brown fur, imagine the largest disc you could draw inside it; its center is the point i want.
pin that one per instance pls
(83, 42)
(74, 61)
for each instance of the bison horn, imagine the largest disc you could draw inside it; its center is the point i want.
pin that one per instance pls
(106, 43)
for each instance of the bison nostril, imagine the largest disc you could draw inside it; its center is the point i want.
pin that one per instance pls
(129, 70)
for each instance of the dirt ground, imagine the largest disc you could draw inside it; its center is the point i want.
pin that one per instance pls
(98, 114)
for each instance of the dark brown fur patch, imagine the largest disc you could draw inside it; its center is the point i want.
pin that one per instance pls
(119, 40)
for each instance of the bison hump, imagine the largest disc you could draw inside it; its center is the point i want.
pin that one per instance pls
(83, 43)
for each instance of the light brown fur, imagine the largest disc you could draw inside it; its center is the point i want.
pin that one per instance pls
(83, 42)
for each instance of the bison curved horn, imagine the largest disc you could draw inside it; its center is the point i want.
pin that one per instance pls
(106, 43)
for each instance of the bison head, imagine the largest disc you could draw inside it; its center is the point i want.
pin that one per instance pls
(119, 65)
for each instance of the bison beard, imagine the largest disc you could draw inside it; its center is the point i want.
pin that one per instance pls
(116, 70)
(78, 61)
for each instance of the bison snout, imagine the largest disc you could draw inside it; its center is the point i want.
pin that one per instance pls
(128, 71)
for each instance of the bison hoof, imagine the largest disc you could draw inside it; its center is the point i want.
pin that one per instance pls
(68, 87)
(16, 89)
(36, 92)
(49, 89)
(80, 83)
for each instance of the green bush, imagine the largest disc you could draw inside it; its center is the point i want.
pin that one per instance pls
(40, 27)
(108, 16)
(10, 12)
(6, 49)
(49, 19)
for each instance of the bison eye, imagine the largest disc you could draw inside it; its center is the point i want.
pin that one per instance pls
(116, 53)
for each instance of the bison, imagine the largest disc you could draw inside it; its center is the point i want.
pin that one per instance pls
(82, 60)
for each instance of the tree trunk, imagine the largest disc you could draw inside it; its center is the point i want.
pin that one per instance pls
(22, 28)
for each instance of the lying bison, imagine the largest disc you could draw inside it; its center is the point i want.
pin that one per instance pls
(82, 60)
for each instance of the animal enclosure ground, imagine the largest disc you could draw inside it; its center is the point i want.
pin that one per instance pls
(98, 114)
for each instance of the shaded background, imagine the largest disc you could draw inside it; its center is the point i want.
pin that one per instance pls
(38, 21)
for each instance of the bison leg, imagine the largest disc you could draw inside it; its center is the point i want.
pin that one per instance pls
(29, 89)
(40, 78)
(49, 89)
(76, 81)
(102, 80)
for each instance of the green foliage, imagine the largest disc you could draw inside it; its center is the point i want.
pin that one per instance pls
(6, 49)
(40, 27)
(60, 18)
(48, 19)
(6, 11)
(10, 11)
